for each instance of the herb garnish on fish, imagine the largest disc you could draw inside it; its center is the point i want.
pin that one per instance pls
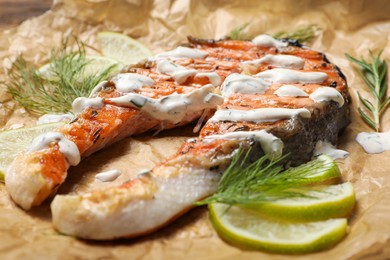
(301, 34)
(265, 180)
(41, 94)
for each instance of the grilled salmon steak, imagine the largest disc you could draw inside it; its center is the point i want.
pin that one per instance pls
(274, 95)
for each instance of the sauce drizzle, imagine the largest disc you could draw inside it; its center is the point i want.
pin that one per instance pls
(270, 144)
(174, 107)
(259, 115)
(67, 148)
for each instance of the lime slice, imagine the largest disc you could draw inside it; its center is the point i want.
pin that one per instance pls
(245, 229)
(96, 64)
(318, 203)
(122, 48)
(15, 141)
(322, 169)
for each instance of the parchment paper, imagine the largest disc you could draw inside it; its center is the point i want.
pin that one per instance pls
(347, 27)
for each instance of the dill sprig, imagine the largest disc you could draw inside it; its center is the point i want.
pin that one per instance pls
(235, 34)
(55, 92)
(265, 180)
(301, 34)
(374, 74)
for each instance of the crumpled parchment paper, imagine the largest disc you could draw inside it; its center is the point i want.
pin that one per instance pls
(347, 27)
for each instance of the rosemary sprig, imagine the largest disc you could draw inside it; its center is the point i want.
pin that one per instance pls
(374, 74)
(40, 94)
(301, 34)
(263, 181)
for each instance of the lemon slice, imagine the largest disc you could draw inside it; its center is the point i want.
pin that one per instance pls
(96, 64)
(246, 229)
(122, 48)
(318, 203)
(15, 141)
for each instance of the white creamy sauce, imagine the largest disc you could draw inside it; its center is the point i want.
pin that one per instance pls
(270, 144)
(97, 88)
(265, 40)
(258, 115)
(374, 142)
(174, 107)
(81, 103)
(240, 83)
(280, 60)
(179, 73)
(129, 82)
(108, 175)
(213, 77)
(327, 94)
(53, 118)
(290, 91)
(292, 76)
(67, 148)
(330, 150)
(182, 52)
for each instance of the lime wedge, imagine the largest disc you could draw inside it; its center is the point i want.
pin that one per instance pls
(317, 203)
(96, 64)
(245, 229)
(13, 142)
(122, 48)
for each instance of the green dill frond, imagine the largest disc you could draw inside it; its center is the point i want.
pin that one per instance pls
(41, 94)
(266, 180)
(374, 74)
(301, 34)
(236, 34)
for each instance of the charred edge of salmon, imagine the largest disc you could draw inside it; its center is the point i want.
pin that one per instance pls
(292, 42)
(209, 42)
(142, 64)
(341, 74)
(212, 42)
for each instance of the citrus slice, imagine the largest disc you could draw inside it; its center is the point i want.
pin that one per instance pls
(322, 169)
(122, 48)
(96, 64)
(246, 229)
(15, 141)
(317, 203)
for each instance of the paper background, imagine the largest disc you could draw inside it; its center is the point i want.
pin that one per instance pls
(347, 27)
